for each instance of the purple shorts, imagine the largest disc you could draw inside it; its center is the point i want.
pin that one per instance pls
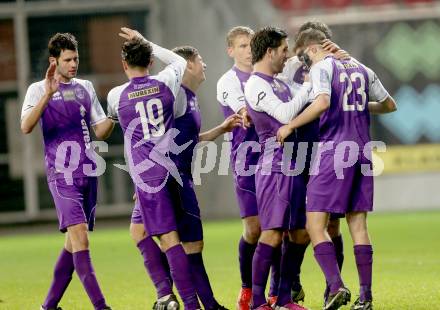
(246, 197)
(281, 201)
(157, 210)
(327, 193)
(76, 203)
(185, 207)
(189, 223)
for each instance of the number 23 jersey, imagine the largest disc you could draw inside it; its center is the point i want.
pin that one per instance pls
(350, 86)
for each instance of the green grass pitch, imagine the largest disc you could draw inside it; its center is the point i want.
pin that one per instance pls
(406, 266)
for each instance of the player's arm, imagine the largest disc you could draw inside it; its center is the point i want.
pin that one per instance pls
(261, 98)
(104, 129)
(321, 76)
(166, 56)
(381, 101)
(312, 112)
(232, 121)
(32, 112)
(386, 106)
(230, 94)
(101, 124)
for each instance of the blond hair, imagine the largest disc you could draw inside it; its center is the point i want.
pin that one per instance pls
(237, 31)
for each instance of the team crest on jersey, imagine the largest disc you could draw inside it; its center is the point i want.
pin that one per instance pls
(68, 95)
(277, 86)
(80, 93)
(193, 105)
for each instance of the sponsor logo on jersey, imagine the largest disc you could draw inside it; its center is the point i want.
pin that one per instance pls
(69, 95)
(144, 92)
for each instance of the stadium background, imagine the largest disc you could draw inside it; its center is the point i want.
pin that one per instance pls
(398, 39)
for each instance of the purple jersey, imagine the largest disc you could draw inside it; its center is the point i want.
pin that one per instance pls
(350, 86)
(230, 94)
(189, 126)
(146, 108)
(265, 124)
(65, 124)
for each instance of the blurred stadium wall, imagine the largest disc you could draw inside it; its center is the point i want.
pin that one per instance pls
(398, 39)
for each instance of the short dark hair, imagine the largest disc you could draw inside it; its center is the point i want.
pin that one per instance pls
(137, 52)
(318, 26)
(263, 39)
(308, 37)
(60, 42)
(186, 51)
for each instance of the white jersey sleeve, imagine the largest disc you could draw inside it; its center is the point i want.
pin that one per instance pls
(321, 75)
(377, 91)
(260, 96)
(97, 114)
(229, 92)
(33, 95)
(113, 102)
(181, 103)
(173, 73)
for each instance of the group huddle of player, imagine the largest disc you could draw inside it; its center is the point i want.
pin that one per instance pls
(320, 96)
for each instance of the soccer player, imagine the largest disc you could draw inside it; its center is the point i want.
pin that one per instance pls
(345, 92)
(66, 108)
(271, 105)
(188, 122)
(146, 107)
(230, 94)
(294, 73)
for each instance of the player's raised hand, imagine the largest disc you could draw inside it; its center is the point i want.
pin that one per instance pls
(232, 121)
(51, 82)
(330, 46)
(130, 34)
(283, 132)
(342, 55)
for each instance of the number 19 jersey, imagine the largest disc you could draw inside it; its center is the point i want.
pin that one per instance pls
(145, 108)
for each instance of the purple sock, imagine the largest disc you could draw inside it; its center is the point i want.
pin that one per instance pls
(293, 256)
(180, 272)
(275, 272)
(201, 281)
(155, 267)
(84, 269)
(165, 264)
(61, 278)
(326, 258)
(364, 262)
(245, 255)
(260, 272)
(339, 249)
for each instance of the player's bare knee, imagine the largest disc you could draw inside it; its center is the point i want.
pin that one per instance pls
(299, 236)
(137, 232)
(271, 237)
(168, 240)
(78, 236)
(252, 229)
(333, 228)
(193, 247)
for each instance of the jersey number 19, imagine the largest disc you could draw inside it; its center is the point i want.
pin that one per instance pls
(149, 117)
